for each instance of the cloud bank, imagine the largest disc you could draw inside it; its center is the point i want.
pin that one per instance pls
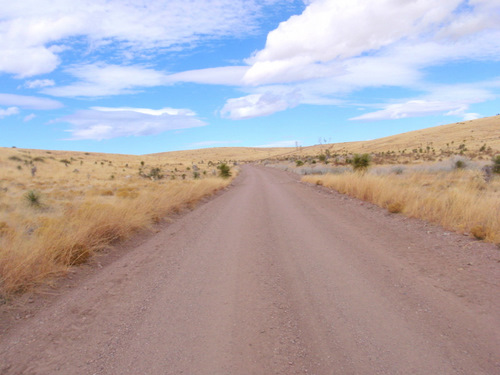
(101, 123)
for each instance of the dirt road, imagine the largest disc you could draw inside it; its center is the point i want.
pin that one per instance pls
(276, 277)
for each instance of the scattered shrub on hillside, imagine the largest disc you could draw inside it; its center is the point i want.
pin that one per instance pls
(196, 175)
(299, 163)
(154, 174)
(33, 198)
(224, 170)
(460, 164)
(322, 158)
(66, 162)
(496, 164)
(361, 162)
(15, 158)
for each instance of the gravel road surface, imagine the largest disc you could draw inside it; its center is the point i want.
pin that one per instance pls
(275, 277)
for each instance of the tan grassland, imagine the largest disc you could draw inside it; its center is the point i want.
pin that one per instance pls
(83, 202)
(458, 200)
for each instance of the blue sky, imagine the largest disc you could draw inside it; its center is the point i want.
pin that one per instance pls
(137, 77)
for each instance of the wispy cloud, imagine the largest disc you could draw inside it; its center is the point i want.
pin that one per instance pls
(107, 123)
(29, 102)
(35, 32)
(39, 83)
(29, 117)
(8, 112)
(257, 105)
(104, 80)
(447, 100)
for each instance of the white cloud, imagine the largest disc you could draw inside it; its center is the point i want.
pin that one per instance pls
(330, 30)
(107, 123)
(413, 108)
(27, 61)
(39, 83)
(148, 111)
(8, 112)
(227, 75)
(29, 117)
(447, 100)
(337, 39)
(29, 102)
(34, 32)
(104, 80)
(471, 116)
(257, 105)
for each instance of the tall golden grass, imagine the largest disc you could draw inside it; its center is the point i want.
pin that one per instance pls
(84, 207)
(45, 244)
(459, 200)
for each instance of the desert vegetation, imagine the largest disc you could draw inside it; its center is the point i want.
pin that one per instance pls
(449, 175)
(457, 194)
(58, 208)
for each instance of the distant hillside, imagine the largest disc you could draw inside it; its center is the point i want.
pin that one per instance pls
(471, 135)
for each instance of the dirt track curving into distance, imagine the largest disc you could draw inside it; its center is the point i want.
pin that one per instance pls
(276, 277)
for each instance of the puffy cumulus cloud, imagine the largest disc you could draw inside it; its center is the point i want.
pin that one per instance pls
(102, 80)
(29, 102)
(341, 29)
(34, 32)
(106, 123)
(27, 61)
(256, 105)
(410, 35)
(8, 112)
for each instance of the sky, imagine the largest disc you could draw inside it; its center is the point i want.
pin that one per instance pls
(147, 76)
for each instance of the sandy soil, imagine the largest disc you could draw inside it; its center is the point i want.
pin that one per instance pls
(273, 277)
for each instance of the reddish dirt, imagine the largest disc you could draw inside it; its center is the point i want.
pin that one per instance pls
(273, 277)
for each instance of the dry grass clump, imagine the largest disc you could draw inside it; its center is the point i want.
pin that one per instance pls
(459, 200)
(67, 211)
(44, 244)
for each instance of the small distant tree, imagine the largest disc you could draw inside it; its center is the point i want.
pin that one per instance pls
(361, 162)
(224, 170)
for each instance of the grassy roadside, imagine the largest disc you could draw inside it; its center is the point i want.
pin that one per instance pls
(68, 210)
(458, 200)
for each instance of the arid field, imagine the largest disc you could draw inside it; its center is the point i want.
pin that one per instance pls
(57, 208)
(74, 204)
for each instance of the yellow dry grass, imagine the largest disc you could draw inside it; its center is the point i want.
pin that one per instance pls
(94, 201)
(445, 138)
(458, 200)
